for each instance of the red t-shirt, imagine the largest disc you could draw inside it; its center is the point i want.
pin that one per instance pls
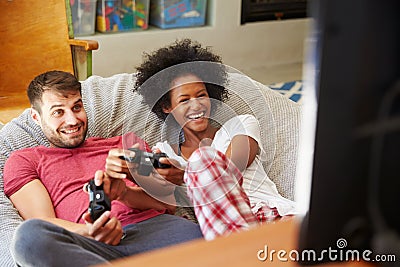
(64, 171)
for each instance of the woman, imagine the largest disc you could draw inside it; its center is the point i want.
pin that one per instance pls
(221, 165)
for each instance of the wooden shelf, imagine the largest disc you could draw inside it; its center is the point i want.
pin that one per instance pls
(11, 106)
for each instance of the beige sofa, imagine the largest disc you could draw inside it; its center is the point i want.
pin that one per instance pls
(114, 109)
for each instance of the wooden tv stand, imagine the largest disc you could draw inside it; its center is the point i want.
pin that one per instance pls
(236, 250)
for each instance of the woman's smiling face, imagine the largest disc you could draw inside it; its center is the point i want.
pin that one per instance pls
(190, 103)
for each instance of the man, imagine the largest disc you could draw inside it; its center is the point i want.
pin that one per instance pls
(45, 185)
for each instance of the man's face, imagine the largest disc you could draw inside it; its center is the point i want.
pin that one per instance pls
(63, 119)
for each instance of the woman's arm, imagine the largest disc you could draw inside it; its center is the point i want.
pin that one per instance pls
(244, 145)
(242, 151)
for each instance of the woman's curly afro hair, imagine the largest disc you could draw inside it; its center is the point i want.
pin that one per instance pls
(160, 68)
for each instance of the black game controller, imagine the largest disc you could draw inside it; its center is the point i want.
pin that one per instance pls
(98, 201)
(147, 161)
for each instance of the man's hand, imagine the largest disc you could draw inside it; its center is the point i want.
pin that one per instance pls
(115, 189)
(116, 166)
(153, 192)
(105, 229)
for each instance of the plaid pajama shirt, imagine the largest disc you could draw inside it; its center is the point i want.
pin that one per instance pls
(220, 203)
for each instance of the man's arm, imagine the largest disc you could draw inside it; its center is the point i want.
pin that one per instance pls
(33, 201)
(133, 196)
(137, 197)
(154, 192)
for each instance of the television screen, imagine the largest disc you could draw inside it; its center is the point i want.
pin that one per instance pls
(355, 188)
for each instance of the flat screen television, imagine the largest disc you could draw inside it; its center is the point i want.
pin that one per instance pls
(354, 203)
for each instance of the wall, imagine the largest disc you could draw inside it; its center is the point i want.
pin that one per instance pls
(248, 48)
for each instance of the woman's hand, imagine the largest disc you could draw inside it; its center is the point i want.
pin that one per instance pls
(174, 174)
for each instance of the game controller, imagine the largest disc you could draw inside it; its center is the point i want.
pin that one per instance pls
(146, 160)
(98, 201)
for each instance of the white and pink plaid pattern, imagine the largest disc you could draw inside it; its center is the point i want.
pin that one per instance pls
(220, 203)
